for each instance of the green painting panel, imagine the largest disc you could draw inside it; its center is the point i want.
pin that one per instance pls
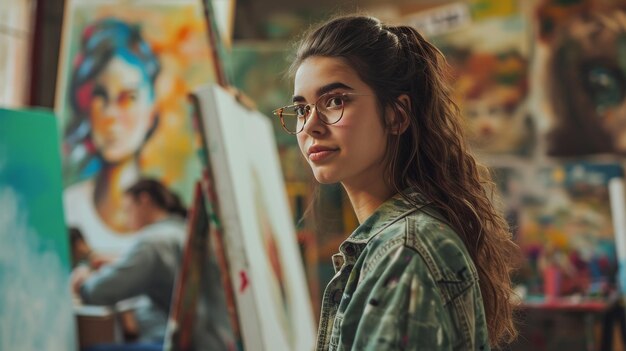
(259, 70)
(30, 162)
(34, 252)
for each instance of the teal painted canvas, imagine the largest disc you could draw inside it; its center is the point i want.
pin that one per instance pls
(35, 297)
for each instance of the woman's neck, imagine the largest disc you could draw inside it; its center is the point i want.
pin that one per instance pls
(111, 183)
(367, 198)
(158, 215)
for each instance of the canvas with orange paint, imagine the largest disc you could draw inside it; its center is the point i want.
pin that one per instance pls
(126, 69)
(489, 78)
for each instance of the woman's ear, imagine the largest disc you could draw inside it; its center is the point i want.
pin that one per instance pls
(399, 119)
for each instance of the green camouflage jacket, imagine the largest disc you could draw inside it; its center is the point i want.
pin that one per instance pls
(404, 281)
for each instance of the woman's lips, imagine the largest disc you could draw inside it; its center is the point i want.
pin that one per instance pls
(320, 153)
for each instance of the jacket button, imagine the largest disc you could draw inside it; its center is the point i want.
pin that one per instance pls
(350, 250)
(337, 296)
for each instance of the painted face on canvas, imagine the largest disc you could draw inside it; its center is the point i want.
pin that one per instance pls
(121, 110)
(495, 121)
(352, 150)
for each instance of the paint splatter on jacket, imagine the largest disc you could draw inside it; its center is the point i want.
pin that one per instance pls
(404, 281)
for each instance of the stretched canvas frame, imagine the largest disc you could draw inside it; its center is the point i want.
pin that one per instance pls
(259, 236)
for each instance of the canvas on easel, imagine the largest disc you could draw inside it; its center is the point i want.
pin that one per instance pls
(259, 237)
(181, 321)
(199, 318)
(35, 297)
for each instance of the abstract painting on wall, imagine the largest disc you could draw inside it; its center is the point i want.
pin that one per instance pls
(125, 71)
(579, 56)
(259, 235)
(566, 231)
(490, 84)
(34, 252)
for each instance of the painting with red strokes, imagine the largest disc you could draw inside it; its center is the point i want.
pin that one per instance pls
(264, 260)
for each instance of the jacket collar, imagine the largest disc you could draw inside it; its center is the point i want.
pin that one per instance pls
(386, 214)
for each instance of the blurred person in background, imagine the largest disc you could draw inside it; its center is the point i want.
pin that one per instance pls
(83, 253)
(149, 267)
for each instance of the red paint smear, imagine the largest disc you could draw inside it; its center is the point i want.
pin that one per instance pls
(84, 95)
(78, 60)
(91, 148)
(88, 32)
(244, 281)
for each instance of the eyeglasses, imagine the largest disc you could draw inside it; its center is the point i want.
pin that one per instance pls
(329, 108)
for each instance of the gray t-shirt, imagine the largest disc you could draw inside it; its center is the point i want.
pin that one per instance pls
(148, 268)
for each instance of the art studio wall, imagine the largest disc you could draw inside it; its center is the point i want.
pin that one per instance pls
(540, 86)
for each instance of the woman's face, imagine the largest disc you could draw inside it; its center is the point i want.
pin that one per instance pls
(352, 150)
(121, 110)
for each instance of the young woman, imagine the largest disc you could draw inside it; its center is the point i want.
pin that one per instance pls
(428, 267)
(150, 266)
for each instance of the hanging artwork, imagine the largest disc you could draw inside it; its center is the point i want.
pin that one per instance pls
(258, 70)
(259, 236)
(126, 69)
(566, 231)
(490, 84)
(34, 254)
(581, 90)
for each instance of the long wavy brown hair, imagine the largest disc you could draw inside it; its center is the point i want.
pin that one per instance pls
(431, 155)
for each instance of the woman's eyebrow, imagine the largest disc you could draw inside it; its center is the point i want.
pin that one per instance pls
(323, 90)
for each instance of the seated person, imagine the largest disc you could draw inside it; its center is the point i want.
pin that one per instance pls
(149, 267)
(79, 249)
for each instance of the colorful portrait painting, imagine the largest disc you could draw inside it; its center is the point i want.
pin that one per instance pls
(490, 84)
(580, 56)
(35, 298)
(126, 69)
(258, 228)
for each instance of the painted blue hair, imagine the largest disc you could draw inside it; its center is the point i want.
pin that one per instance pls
(100, 43)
